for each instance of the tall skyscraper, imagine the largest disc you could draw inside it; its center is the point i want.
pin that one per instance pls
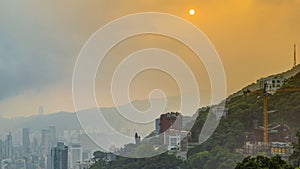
(8, 146)
(1, 149)
(26, 141)
(45, 141)
(76, 154)
(52, 135)
(59, 156)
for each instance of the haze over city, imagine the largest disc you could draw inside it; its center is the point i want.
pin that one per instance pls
(185, 84)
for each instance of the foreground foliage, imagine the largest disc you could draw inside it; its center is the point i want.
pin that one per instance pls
(262, 162)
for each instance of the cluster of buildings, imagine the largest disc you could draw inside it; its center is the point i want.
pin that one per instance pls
(280, 141)
(42, 150)
(280, 137)
(273, 83)
(171, 134)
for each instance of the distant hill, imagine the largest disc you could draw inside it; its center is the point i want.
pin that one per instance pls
(69, 121)
(62, 121)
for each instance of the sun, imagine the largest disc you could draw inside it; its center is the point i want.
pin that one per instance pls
(192, 12)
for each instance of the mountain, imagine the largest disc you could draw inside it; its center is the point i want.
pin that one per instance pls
(62, 121)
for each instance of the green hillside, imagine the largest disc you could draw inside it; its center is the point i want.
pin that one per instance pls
(219, 150)
(242, 112)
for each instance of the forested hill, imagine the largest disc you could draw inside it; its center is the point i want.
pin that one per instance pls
(244, 110)
(219, 150)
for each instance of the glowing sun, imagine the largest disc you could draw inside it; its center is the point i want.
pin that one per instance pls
(192, 12)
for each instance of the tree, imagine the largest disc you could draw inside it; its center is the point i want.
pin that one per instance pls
(198, 160)
(295, 157)
(263, 162)
(99, 154)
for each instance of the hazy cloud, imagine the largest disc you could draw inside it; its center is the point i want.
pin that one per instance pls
(40, 40)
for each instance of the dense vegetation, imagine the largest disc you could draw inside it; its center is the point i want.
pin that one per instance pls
(262, 162)
(163, 161)
(295, 157)
(219, 150)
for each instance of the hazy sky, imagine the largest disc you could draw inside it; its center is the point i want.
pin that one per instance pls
(40, 41)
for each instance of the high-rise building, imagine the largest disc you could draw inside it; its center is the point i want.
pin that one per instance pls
(59, 156)
(76, 154)
(20, 164)
(45, 141)
(1, 149)
(26, 141)
(34, 145)
(8, 146)
(43, 161)
(52, 136)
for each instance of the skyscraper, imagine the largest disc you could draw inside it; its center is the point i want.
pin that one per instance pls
(59, 156)
(1, 149)
(45, 141)
(76, 154)
(52, 135)
(8, 146)
(26, 141)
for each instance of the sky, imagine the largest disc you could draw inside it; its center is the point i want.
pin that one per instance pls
(40, 42)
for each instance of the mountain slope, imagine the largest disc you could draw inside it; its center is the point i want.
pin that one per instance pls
(244, 111)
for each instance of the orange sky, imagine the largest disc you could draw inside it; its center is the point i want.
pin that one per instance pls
(254, 38)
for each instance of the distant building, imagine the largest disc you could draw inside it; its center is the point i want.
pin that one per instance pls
(59, 156)
(276, 133)
(281, 149)
(280, 141)
(84, 165)
(2, 146)
(157, 126)
(177, 142)
(52, 136)
(6, 164)
(25, 140)
(8, 146)
(184, 141)
(170, 121)
(43, 161)
(45, 141)
(76, 154)
(273, 83)
(20, 164)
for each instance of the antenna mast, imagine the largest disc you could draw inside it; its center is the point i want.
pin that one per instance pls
(295, 56)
